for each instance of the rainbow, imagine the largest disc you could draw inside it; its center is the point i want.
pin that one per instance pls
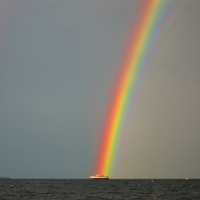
(149, 19)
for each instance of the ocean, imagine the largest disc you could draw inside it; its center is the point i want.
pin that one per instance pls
(99, 189)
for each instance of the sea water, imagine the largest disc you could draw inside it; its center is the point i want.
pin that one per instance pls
(99, 189)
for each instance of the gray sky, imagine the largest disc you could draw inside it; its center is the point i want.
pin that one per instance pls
(57, 64)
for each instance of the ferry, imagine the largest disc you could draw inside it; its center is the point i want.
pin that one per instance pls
(99, 177)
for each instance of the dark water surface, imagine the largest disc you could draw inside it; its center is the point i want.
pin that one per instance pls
(104, 189)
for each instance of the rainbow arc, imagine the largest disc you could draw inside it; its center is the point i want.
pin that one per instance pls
(149, 17)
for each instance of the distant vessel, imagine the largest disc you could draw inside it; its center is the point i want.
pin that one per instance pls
(4, 177)
(99, 177)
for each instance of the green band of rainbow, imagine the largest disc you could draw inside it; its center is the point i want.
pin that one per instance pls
(136, 51)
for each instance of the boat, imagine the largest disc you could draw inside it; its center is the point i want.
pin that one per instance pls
(4, 178)
(99, 177)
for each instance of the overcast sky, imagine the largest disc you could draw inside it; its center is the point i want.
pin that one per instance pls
(58, 59)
